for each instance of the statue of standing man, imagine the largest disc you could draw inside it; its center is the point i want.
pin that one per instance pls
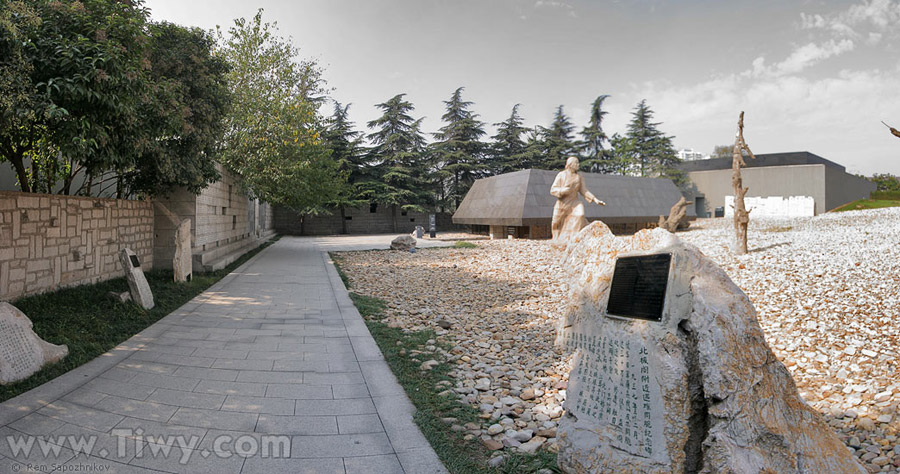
(568, 213)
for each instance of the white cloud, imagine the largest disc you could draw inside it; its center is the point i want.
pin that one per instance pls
(810, 54)
(882, 16)
(569, 9)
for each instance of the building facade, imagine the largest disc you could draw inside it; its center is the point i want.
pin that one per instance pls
(785, 175)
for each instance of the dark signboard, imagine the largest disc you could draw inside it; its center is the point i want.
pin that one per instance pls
(134, 261)
(638, 288)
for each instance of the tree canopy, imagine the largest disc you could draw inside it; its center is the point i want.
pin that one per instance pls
(273, 132)
(458, 152)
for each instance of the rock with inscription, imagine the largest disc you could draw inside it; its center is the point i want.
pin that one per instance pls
(404, 243)
(181, 263)
(22, 352)
(137, 283)
(693, 387)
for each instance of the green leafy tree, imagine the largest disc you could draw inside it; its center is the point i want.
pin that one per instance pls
(593, 150)
(722, 151)
(399, 177)
(458, 151)
(78, 74)
(558, 141)
(508, 149)
(187, 113)
(272, 138)
(654, 153)
(535, 155)
(886, 182)
(345, 143)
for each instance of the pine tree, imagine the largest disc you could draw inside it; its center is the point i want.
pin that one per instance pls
(595, 157)
(653, 151)
(508, 150)
(458, 151)
(558, 140)
(622, 157)
(399, 168)
(345, 144)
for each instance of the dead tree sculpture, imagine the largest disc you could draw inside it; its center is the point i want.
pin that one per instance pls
(741, 214)
(894, 131)
(677, 216)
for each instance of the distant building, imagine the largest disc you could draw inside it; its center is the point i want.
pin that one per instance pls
(689, 154)
(519, 203)
(786, 175)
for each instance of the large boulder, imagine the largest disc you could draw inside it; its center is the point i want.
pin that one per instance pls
(22, 352)
(697, 391)
(404, 243)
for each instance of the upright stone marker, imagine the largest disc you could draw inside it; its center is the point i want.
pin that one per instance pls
(182, 264)
(22, 352)
(137, 283)
(696, 389)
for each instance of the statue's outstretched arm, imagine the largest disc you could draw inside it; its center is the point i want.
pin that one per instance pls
(588, 196)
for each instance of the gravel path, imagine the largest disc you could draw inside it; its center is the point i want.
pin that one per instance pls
(827, 290)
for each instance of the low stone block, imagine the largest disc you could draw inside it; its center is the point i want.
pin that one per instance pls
(181, 263)
(137, 283)
(22, 352)
(403, 243)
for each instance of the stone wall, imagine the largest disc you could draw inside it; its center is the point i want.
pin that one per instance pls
(362, 220)
(225, 223)
(51, 241)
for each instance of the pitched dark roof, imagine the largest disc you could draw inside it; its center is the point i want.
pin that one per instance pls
(766, 159)
(522, 198)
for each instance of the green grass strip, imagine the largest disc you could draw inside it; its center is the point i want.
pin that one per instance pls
(867, 204)
(90, 323)
(458, 454)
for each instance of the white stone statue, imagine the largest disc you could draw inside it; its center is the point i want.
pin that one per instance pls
(568, 213)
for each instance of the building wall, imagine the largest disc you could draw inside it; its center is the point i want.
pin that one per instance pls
(841, 188)
(51, 241)
(785, 181)
(360, 220)
(224, 222)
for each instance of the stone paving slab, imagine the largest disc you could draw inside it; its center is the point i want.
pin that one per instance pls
(273, 353)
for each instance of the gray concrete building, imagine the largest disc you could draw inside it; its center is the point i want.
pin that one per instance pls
(369, 219)
(776, 174)
(519, 203)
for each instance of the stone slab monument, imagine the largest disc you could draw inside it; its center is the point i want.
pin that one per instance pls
(22, 352)
(181, 263)
(137, 283)
(672, 372)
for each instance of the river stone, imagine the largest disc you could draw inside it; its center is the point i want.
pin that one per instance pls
(22, 352)
(182, 263)
(404, 243)
(137, 283)
(698, 391)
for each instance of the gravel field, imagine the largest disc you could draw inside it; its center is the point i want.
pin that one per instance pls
(827, 290)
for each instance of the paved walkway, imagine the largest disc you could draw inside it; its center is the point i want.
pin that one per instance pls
(274, 354)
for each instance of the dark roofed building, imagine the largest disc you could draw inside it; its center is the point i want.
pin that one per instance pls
(520, 204)
(773, 175)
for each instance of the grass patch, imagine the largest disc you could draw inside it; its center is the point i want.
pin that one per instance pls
(460, 244)
(458, 454)
(90, 323)
(867, 204)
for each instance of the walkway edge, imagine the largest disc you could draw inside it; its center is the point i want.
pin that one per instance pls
(391, 402)
(33, 400)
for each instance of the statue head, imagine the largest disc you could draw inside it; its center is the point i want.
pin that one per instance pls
(572, 164)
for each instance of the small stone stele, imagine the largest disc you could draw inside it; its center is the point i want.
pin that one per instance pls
(22, 352)
(181, 263)
(137, 283)
(698, 391)
(404, 243)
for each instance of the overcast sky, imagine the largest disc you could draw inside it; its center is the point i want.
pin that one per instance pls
(812, 75)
